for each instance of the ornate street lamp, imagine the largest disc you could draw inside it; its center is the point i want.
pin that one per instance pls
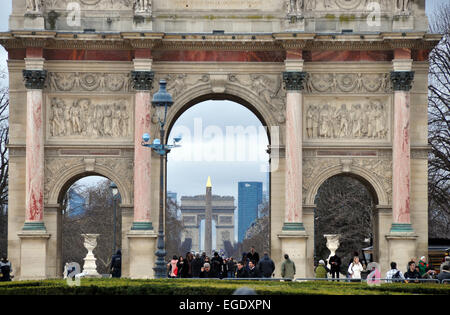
(115, 192)
(162, 100)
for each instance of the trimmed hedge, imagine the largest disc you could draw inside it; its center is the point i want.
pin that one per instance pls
(211, 287)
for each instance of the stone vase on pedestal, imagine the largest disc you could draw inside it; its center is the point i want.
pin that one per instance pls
(332, 245)
(90, 266)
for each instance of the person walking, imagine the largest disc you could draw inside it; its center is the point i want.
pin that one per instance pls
(266, 266)
(287, 268)
(181, 265)
(196, 266)
(321, 270)
(5, 269)
(116, 264)
(394, 274)
(355, 269)
(241, 271)
(186, 270)
(335, 266)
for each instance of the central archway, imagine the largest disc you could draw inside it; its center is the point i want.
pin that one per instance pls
(179, 111)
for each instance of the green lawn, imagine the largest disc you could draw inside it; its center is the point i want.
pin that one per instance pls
(213, 287)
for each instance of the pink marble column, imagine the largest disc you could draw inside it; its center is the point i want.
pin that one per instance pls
(294, 156)
(401, 152)
(34, 173)
(142, 155)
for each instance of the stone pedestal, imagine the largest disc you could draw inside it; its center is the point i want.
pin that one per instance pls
(90, 266)
(142, 247)
(402, 248)
(294, 244)
(33, 255)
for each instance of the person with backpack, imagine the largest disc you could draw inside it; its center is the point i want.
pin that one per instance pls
(394, 274)
(116, 264)
(5, 269)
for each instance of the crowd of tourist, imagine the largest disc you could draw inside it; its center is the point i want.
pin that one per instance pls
(202, 266)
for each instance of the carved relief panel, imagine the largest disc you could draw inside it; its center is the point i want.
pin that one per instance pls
(347, 119)
(89, 105)
(72, 117)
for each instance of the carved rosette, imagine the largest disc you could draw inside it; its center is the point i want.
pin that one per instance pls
(143, 80)
(35, 79)
(402, 80)
(294, 80)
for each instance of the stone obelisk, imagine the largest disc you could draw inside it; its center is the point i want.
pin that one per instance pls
(208, 218)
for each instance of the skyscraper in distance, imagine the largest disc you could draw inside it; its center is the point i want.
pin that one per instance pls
(250, 196)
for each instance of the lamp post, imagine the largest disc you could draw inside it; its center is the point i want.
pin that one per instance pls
(115, 192)
(162, 100)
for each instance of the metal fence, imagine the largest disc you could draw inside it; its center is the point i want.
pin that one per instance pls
(369, 281)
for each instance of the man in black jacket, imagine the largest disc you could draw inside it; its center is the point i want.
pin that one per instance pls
(253, 255)
(196, 266)
(116, 264)
(335, 263)
(216, 265)
(241, 271)
(253, 270)
(412, 273)
(266, 266)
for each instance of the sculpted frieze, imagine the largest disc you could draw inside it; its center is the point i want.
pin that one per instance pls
(347, 118)
(89, 117)
(89, 4)
(299, 7)
(89, 82)
(348, 83)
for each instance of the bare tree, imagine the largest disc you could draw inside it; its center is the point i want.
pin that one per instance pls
(173, 230)
(97, 217)
(4, 167)
(344, 206)
(439, 128)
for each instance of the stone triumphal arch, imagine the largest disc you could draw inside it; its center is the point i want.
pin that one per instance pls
(342, 88)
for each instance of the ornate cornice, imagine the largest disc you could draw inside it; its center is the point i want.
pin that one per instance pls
(295, 81)
(402, 80)
(35, 79)
(262, 42)
(143, 80)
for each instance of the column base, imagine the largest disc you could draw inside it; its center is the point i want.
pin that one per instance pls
(294, 243)
(401, 248)
(34, 226)
(142, 226)
(142, 247)
(293, 226)
(33, 254)
(401, 228)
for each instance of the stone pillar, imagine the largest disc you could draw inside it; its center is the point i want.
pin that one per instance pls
(142, 238)
(34, 237)
(208, 218)
(401, 237)
(293, 235)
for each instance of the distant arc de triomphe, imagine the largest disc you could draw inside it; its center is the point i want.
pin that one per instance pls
(339, 95)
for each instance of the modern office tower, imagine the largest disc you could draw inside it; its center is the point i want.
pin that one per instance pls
(250, 196)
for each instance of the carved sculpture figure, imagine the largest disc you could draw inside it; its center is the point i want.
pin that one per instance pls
(34, 6)
(142, 6)
(403, 5)
(362, 121)
(86, 119)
